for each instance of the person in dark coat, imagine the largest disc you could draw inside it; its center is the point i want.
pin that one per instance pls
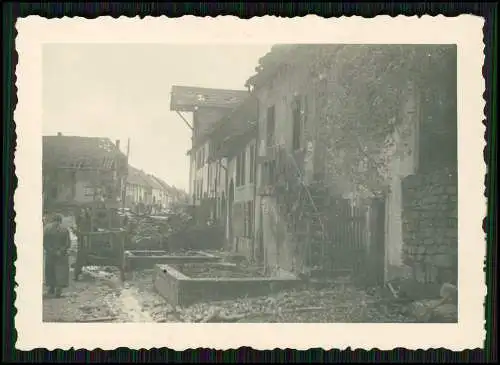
(56, 242)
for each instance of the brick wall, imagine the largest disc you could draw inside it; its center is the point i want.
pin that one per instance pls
(430, 231)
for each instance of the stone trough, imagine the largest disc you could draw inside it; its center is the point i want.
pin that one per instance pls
(142, 260)
(180, 289)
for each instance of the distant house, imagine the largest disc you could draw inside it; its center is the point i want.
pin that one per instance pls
(166, 193)
(79, 170)
(136, 188)
(208, 107)
(155, 192)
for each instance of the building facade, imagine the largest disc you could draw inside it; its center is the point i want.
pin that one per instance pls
(207, 180)
(305, 218)
(78, 170)
(262, 165)
(232, 157)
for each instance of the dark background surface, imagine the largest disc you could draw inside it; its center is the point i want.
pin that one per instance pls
(11, 11)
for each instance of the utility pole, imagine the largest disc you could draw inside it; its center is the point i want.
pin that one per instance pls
(124, 180)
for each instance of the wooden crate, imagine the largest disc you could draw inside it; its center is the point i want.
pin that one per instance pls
(103, 248)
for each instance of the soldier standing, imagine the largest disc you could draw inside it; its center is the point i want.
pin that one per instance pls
(56, 242)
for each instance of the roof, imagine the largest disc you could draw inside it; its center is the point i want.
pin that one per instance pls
(163, 184)
(153, 182)
(270, 63)
(188, 98)
(75, 152)
(236, 122)
(282, 55)
(137, 177)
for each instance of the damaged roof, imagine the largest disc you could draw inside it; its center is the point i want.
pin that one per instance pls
(269, 63)
(188, 98)
(86, 153)
(233, 128)
(235, 123)
(239, 120)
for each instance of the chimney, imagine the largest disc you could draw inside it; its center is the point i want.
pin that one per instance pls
(118, 143)
(59, 134)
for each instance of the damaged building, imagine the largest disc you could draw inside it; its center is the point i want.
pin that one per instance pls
(207, 180)
(308, 219)
(78, 170)
(261, 166)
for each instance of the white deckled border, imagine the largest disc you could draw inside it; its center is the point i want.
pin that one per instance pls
(465, 31)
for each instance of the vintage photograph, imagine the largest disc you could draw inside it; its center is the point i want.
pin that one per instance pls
(268, 183)
(241, 183)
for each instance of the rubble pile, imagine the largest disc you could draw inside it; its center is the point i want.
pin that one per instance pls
(342, 304)
(153, 232)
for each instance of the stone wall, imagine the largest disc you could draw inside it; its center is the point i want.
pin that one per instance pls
(430, 230)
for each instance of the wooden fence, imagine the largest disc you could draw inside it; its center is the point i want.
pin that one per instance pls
(356, 238)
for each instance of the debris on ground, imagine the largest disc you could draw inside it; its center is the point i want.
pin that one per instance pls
(441, 310)
(172, 232)
(342, 304)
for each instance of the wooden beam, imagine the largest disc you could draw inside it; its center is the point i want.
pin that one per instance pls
(184, 119)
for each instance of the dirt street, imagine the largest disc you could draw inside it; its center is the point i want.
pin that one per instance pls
(99, 296)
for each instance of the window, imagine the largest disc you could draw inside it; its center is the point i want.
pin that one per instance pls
(240, 168)
(297, 127)
(88, 191)
(271, 125)
(251, 177)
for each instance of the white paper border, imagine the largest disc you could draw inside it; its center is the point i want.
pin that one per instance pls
(464, 30)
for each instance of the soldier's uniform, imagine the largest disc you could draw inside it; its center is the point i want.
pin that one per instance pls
(56, 242)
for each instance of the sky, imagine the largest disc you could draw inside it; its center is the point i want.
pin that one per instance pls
(122, 91)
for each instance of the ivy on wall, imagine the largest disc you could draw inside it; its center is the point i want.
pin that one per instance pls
(361, 91)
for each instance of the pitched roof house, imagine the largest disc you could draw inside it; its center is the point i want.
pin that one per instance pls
(81, 169)
(83, 153)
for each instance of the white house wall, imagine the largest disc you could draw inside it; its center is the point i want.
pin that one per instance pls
(279, 92)
(400, 168)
